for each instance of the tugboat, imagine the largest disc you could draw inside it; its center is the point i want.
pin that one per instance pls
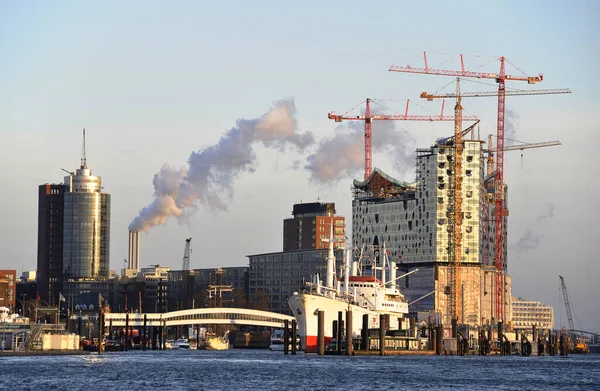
(359, 294)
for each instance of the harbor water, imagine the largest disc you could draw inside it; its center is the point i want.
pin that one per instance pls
(266, 370)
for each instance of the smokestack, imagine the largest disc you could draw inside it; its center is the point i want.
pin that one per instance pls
(134, 250)
(130, 250)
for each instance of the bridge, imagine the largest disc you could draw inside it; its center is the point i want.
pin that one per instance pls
(203, 316)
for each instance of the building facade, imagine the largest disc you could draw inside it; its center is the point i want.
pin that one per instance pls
(86, 233)
(310, 225)
(411, 221)
(8, 289)
(274, 277)
(50, 240)
(531, 313)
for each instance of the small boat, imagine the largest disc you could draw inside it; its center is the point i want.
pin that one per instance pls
(218, 343)
(181, 343)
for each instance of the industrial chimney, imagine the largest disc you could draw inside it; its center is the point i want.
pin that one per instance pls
(134, 250)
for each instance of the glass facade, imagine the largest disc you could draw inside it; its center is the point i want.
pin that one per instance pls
(274, 277)
(86, 235)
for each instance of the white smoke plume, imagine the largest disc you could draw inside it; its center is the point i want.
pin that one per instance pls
(208, 178)
(343, 154)
(511, 120)
(530, 240)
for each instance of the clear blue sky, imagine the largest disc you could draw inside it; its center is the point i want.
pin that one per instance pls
(153, 81)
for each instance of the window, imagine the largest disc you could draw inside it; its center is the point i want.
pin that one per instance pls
(469, 173)
(469, 159)
(440, 200)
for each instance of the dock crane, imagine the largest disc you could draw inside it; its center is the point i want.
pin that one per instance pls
(499, 211)
(368, 118)
(563, 287)
(580, 346)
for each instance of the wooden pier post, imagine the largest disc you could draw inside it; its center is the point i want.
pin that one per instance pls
(321, 333)
(286, 336)
(382, 326)
(126, 331)
(439, 343)
(349, 346)
(144, 333)
(364, 343)
(340, 328)
(294, 336)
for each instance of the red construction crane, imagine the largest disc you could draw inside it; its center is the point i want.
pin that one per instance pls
(499, 211)
(369, 118)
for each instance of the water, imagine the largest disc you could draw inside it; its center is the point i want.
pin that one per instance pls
(266, 370)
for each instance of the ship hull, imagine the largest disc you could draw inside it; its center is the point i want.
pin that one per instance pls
(305, 308)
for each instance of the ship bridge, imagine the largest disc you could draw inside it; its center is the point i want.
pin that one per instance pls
(203, 316)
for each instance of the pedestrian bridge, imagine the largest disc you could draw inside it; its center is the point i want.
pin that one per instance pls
(204, 316)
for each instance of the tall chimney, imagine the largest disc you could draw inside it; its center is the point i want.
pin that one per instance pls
(130, 259)
(134, 250)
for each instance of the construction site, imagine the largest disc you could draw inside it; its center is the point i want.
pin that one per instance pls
(450, 223)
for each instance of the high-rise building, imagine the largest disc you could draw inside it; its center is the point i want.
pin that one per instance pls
(51, 202)
(73, 235)
(411, 221)
(310, 225)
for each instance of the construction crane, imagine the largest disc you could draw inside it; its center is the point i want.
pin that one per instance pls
(515, 147)
(567, 305)
(499, 210)
(369, 118)
(186, 255)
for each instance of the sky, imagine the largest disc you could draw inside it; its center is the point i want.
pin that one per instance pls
(166, 89)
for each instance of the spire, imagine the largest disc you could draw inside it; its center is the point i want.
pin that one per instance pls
(83, 159)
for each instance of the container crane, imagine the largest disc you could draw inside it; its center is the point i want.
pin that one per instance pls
(499, 209)
(368, 118)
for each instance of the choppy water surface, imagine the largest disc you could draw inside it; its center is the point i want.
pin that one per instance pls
(266, 370)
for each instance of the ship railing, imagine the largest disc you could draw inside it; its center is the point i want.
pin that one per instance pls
(340, 295)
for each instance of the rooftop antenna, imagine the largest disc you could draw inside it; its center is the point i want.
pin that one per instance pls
(83, 159)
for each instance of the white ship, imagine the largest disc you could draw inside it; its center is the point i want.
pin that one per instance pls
(360, 294)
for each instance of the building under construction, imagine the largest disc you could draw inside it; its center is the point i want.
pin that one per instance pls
(412, 221)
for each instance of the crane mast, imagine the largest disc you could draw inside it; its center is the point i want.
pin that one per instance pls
(455, 214)
(368, 118)
(567, 305)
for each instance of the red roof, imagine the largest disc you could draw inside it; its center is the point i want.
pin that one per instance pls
(364, 279)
